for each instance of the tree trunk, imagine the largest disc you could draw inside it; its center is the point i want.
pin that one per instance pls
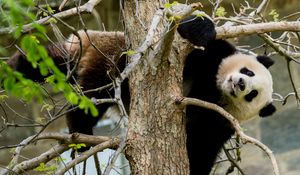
(156, 137)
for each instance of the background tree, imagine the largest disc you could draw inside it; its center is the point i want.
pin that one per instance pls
(154, 135)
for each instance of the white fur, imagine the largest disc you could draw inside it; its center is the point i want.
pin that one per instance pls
(262, 82)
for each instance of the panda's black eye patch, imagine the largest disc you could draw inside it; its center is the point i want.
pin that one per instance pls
(249, 97)
(247, 72)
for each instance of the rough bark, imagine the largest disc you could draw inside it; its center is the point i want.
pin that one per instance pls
(156, 141)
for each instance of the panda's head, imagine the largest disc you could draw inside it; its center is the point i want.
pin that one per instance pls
(246, 86)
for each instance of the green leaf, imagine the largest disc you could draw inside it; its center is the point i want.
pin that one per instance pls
(49, 62)
(72, 97)
(221, 12)
(86, 104)
(50, 79)
(51, 20)
(3, 97)
(27, 2)
(200, 15)
(72, 145)
(43, 69)
(9, 83)
(48, 107)
(60, 86)
(274, 15)
(50, 10)
(80, 145)
(129, 52)
(167, 5)
(76, 146)
(43, 168)
(40, 167)
(94, 111)
(42, 52)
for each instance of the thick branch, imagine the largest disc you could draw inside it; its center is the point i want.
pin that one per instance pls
(74, 138)
(235, 124)
(224, 32)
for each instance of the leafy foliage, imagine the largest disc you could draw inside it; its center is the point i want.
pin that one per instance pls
(16, 84)
(17, 14)
(36, 54)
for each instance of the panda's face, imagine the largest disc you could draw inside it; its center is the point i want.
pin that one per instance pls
(246, 86)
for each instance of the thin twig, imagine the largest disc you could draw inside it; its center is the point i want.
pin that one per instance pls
(97, 164)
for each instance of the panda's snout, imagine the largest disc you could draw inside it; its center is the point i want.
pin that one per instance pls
(241, 84)
(238, 83)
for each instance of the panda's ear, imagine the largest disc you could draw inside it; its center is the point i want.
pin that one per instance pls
(266, 61)
(268, 110)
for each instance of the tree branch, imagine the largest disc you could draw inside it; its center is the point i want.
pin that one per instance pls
(43, 158)
(87, 7)
(224, 32)
(58, 149)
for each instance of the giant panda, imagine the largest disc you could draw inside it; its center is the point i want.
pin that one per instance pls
(219, 74)
(239, 83)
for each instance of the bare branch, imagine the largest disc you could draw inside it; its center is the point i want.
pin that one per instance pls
(260, 8)
(278, 48)
(43, 158)
(114, 158)
(87, 8)
(74, 138)
(224, 32)
(107, 142)
(87, 154)
(232, 160)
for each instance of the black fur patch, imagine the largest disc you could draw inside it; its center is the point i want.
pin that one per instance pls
(198, 30)
(247, 72)
(249, 97)
(266, 61)
(269, 109)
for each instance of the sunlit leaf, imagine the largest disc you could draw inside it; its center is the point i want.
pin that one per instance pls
(221, 12)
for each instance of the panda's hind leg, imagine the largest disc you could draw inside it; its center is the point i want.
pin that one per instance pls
(197, 30)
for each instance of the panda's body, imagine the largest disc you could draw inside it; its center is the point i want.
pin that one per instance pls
(218, 75)
(239, 83)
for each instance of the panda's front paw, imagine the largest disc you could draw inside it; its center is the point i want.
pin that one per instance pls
(197, 30)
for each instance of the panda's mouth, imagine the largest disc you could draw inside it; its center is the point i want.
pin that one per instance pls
(232, 93)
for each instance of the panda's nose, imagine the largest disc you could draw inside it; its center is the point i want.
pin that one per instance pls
(241, 84)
